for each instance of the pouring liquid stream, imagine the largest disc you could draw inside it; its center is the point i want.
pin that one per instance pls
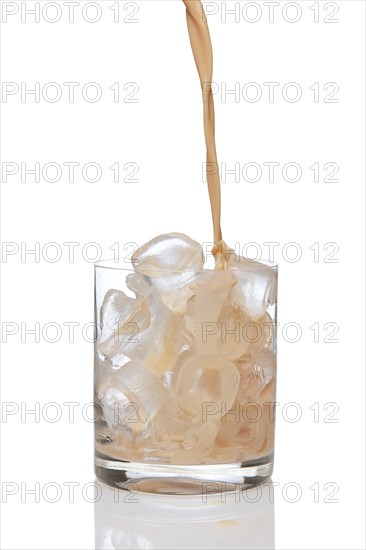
(199, 36)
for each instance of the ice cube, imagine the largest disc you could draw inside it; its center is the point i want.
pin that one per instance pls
(257, 370)
(116, 361)
(157, 346)
(128, 329)
(168, 254)
(131, 396)
(260, 332)
(170, 427)
(115, 310)
(210, 298)
(231, 337)
(256, 285)
(115, 407)
(178, 298)
(205, 386)
(174, 290)
(138, 284)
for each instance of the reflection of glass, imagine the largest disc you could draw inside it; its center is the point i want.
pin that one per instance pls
(242, 520)
(185, 371)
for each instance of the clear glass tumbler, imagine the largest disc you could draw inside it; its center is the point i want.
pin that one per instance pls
(185, 378)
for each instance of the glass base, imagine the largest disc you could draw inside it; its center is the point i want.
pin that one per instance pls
(170, 479)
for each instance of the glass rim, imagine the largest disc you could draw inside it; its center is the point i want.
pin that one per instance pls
(121, 264)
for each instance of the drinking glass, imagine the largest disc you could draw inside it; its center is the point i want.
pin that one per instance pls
(185, 378)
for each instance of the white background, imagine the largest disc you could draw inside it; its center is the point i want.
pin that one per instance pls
(163, 134)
